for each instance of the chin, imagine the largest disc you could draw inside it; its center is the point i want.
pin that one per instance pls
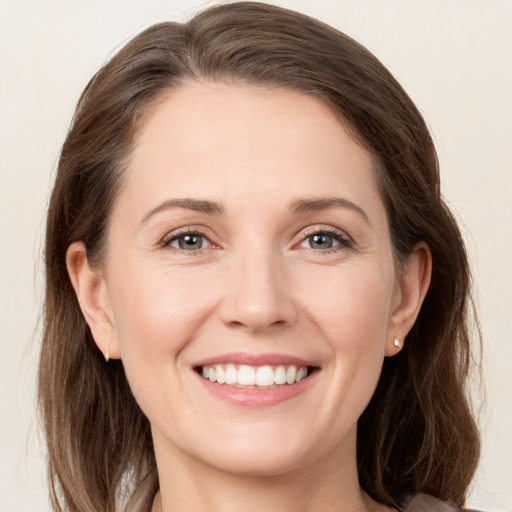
(265, 452)
(258, 464)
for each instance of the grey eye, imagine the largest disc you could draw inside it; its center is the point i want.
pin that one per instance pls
(320, 241)
(188, 242)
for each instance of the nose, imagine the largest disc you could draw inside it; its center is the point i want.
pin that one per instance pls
(259, 294)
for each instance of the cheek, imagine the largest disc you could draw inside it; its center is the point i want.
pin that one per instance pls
(158, 313)
(156, 317)
(354, 317)
(354, 307)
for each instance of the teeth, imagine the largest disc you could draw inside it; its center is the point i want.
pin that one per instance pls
(280, 375)
(246, 376)
(265, 376)
(231, 374)
(221, 374)
(302, 373)
(260, 376)
(291, 373)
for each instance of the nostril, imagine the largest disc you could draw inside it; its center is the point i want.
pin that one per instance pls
(256, 297)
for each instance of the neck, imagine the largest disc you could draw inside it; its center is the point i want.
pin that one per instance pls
(328, 485)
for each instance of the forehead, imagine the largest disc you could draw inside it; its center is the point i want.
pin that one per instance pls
(230, 141)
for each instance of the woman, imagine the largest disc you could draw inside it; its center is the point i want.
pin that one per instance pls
(256, 297)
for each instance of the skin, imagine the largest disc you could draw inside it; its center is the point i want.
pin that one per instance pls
(258, 285)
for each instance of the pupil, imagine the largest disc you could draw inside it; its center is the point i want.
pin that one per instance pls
(190, 242)
(321, 242)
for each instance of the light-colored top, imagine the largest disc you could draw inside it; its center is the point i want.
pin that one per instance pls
(426, 503)
(418, 503)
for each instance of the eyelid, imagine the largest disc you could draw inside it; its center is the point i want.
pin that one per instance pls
(345, 240)
(187, 230)
(341, 236)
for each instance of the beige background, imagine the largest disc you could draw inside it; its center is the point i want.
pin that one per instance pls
(453, 57)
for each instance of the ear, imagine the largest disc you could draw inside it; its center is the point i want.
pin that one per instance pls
(92, 294)
(413, 284)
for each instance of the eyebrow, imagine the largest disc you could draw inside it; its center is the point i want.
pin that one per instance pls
(298, 206)
(197, 205)
(326, 203)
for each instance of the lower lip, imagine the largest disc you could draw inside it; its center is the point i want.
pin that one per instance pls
(254, 397)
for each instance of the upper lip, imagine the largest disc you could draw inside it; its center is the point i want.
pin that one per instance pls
(244, 358)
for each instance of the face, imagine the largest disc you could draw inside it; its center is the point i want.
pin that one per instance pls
(249, 279)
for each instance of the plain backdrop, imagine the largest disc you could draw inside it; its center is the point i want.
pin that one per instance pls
(453, 57)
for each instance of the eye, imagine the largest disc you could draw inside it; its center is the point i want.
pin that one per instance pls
(188, 241)
(325, 240)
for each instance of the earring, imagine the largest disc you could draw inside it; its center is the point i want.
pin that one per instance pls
(106, 355)
(396, 343)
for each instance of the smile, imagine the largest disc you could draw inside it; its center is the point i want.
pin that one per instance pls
(265, 376)
(256, 380)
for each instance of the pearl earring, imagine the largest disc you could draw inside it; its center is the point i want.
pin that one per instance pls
(106, 355)
(396, 343)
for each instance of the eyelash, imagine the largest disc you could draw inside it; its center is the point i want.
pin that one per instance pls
(176, 235)
(339, 236)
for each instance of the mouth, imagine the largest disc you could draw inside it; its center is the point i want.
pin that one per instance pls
(255, 377)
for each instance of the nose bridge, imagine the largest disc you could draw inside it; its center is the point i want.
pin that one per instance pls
(258, 293)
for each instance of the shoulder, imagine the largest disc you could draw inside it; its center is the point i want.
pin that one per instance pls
(426, 503)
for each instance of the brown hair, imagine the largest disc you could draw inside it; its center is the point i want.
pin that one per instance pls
(418, 433)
